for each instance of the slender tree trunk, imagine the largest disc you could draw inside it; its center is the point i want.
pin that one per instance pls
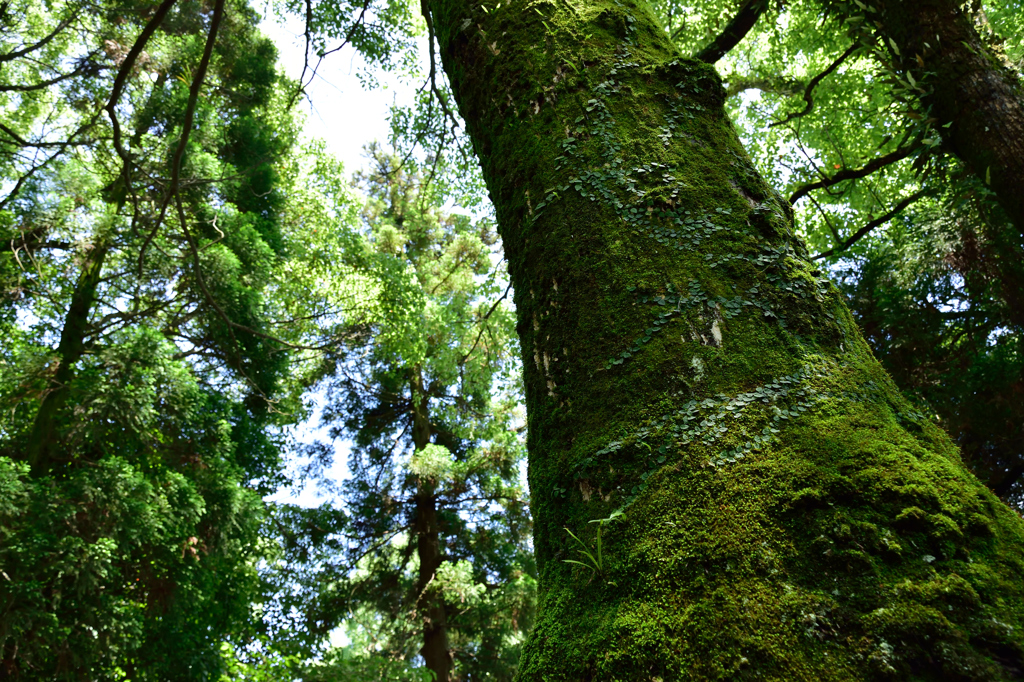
(44, 440)
(786, 514)
(429, 602)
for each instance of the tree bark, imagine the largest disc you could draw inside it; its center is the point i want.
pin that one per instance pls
(44, 439)
(429, 602)
(786, 514)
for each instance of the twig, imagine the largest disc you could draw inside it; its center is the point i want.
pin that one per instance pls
(872, 225)
(482, 320)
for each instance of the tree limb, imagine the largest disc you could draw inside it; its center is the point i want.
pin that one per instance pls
(122, 78)
(809, 90)
(734, 31)
(85, 67)
(779, 85)
(872, 225)
(10, 56)
(870, 167)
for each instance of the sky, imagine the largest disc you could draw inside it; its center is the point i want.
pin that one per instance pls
(338, 109)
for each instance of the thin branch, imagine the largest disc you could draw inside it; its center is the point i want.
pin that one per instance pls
(824, 215)
(809, 90)
(85, 67)
(25, 177)
(186, 128)
(482, 327)
(779, 85)
(42, 43)
(122, 78)
(320, 57)
(22, 142)
(735, 31)
(872, 225)
(425, 9)
(870, 167)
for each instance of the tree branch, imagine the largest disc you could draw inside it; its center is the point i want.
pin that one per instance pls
(809, 90)
(779, 85)
(19, 141)
(320, 57)
(425, 9)
(870, 167)
(10, 56)
(122, 78)
(734, 31)
(482, 320)
(872, 225)
(85, 67)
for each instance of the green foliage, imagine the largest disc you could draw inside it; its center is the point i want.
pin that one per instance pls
(152, 246)
(934, 318)
(141, 562)
(594, 561)
(437, 343)
(174, 272)
(382, 33)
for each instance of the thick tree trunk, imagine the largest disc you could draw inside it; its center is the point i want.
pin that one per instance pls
(978, 102)
(429, 603)
(786, 514)
(44, 439)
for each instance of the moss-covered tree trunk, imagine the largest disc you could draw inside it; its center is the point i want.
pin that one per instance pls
(787, 515)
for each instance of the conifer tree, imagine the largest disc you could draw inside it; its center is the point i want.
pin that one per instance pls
(430, 557)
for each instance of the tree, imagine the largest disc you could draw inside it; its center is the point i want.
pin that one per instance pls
(784, 513)
(146, 227)
(138, 222)
(458, 499)
(429, 556)
(829, 113)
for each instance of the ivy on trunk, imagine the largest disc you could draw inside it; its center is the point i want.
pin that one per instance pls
(786, 514)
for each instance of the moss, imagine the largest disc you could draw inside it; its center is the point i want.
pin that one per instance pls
(786, 514)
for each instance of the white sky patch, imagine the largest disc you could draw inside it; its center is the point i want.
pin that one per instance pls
(339, 110)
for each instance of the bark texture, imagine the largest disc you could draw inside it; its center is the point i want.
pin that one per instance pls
(429, 602)
(978, 102)
(44, 440)
(785, 513)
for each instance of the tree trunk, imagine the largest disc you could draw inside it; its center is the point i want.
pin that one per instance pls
(786, 513)
(45, 439)
(429, 602)
(978, 102)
